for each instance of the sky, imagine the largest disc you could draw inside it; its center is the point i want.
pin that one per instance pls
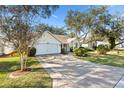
(58, 17)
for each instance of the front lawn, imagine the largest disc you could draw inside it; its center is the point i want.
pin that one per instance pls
(110, 59)
(38, 77)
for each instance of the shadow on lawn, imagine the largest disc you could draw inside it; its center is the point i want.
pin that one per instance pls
(112, 60)
(9, 66)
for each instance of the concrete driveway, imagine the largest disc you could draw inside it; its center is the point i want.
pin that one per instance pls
(69, 72)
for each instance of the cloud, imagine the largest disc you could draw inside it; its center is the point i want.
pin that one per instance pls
(122, 15)
(54, 16)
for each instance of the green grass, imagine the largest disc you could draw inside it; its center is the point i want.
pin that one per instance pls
(111, 59)
(37, 78)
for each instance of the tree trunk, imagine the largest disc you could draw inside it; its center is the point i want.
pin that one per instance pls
(25, 61)
(22, 62)
(112, 43)
(79, 43)
(78, 39)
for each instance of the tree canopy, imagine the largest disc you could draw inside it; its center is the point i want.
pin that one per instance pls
(107, 26)
(16, 26)
(75, 21)
(98, 24)
(52, 29)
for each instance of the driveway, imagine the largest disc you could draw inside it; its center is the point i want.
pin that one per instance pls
(69, 72)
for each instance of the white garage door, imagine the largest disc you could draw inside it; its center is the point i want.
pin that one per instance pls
(44, 48)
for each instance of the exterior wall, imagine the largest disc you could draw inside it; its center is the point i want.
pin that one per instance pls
(120, 46)
(66, 47)
(74, 44)
(47, 38)
(89, 45)
(1, 47)
(102, 42)
(47, 44)
(1, 50)
(8, 48)
(85, 45)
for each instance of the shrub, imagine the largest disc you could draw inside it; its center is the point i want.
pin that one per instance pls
(80, 51)
(32, 52)
(88, 49)
(102, 49)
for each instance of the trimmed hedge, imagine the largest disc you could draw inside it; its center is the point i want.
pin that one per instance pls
(32, 52)
(102, 49)
(88, 49)
(80, 52)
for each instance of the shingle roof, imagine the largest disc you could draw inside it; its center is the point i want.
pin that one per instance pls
(61, 38)
(85, 40)
(71, 39)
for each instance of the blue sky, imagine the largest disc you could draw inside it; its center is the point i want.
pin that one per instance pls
(57, 19)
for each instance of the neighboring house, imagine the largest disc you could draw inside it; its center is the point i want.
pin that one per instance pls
(1, 48)
(87, 43)
(90, 45)
(73, 43)
(120, 46)
(1, 51)
(102, 42)
(6, 48)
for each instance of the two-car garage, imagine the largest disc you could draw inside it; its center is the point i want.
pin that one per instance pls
(47, 48)
(47, 44)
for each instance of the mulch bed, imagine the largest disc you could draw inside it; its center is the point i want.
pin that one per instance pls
(1, 56)
(19, 73)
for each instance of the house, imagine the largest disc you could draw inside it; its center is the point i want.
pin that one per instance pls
(48, 43)
(121, 46)
(6, 47)
(87, 43)
(73, 43)
(54, 44)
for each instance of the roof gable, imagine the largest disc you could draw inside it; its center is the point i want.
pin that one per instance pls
(61, 38)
